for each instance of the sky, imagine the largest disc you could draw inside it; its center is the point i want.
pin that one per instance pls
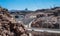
(30, 4)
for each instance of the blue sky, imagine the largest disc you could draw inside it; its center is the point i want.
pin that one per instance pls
(30, 4)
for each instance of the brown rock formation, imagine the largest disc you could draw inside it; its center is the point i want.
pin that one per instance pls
(46, 22)
(8, 25)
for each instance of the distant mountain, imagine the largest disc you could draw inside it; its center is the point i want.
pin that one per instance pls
(51, 9)
(20, 11)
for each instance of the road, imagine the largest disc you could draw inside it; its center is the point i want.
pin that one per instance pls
(41, 29)
(44, 30)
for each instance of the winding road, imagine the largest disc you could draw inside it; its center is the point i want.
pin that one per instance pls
(42, 29)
